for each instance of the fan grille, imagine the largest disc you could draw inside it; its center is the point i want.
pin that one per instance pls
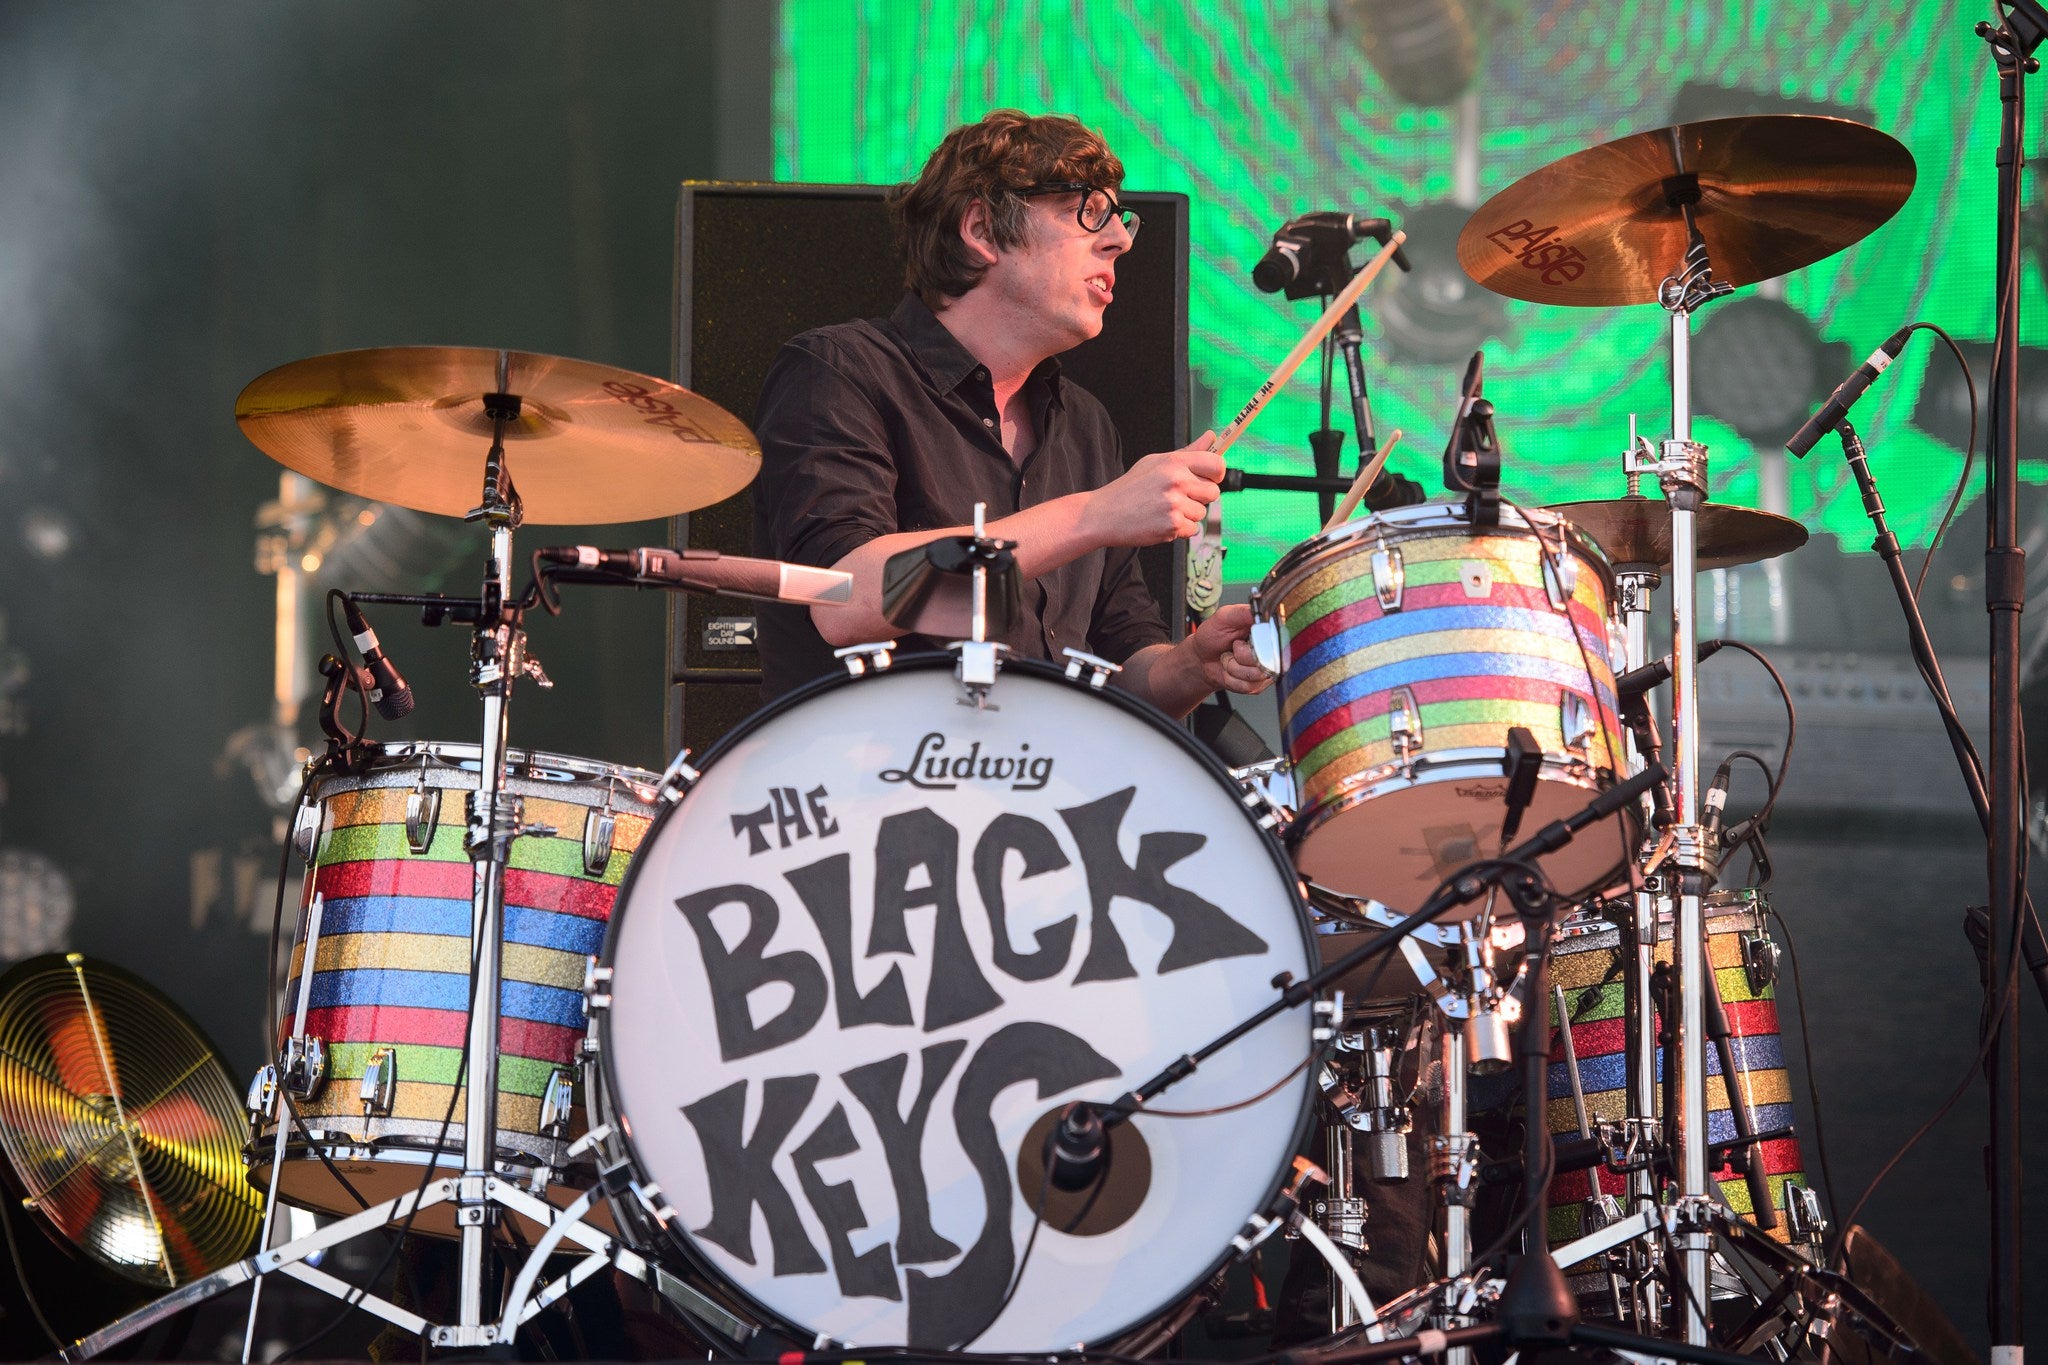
(120, 1122)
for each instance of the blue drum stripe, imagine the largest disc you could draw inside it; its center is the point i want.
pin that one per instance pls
(450, 918)
(1407, 625)
(442, 991)
(1436, 668)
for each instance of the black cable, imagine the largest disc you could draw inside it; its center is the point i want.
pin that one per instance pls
(1969, 455)
(1762, 819)
(1820, 1135)
(345, 653)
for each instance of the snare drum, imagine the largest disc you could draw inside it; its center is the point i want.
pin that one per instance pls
(1407, 645)
(391, 957)
(860, 968)
(1587, 962)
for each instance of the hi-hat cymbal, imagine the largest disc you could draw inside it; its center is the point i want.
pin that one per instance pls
(406, 425)
(1605, 226)
(1637, 530)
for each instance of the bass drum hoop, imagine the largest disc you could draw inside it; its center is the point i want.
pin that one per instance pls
(630, 1209)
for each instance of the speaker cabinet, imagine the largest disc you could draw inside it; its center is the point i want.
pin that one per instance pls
(756, 264)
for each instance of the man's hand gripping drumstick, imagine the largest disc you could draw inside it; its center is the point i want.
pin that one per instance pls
(1205, 551)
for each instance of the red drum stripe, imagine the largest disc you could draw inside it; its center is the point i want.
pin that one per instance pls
(394, 877)
(400, 1025)
(1753, 1018)
(563, 895)
(1600, 1038)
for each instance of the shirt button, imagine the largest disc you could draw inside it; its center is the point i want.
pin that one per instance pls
(981, 374)
(987, 422)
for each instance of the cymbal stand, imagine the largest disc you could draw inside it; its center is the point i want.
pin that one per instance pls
(1681, 471)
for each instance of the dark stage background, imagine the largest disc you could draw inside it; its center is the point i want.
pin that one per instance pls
(191, 194)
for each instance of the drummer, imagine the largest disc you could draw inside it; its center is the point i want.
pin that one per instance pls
(880, 435)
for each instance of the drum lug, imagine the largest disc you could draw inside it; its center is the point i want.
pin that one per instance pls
(598, 828)
(422, 817)
(306, 831)
(1404, 723)
(1389, 577)
(1576, 719)
(860, 660)
(597, 994)
(380, 1083)
(1098, 669)
(557, 1104)
(1760, 961)
(262, 1092)
(1265, 642)
(1560, 578)
(677, 779)
(303, 1067)
(1477, 577)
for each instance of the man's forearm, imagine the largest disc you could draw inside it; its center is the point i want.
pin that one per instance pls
(1049, 536)
(1168, 676)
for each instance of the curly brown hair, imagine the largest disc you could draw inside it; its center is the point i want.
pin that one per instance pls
(989, 161)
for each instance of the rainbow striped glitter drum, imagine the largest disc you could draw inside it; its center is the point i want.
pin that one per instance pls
(385, 921)
(1408, 644)
(1586, 961)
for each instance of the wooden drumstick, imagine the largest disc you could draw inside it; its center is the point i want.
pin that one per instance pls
(1338, 307)
(1362, 482)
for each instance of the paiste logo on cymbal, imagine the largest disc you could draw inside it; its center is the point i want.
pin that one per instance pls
(1556, 261)
(661, 412)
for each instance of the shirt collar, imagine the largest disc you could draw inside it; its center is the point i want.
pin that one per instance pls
(941, 354)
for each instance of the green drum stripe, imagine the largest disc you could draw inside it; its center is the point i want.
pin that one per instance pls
(1606, 1005)
(437, 1066)
(561, 857)
(1374, 729)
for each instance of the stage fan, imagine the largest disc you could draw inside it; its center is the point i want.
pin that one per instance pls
(119, 1123)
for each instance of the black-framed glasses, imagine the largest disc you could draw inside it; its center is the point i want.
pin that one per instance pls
(1096, 208)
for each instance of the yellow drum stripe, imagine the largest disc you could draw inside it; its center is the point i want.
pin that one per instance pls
(1515, 643)
(421, 1100)
(435, 953)
(1769, 1086)
(1439, 738)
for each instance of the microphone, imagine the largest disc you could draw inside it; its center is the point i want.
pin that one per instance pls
(1299, 238)
(1637, 681)
(388, 691)
(1847, 392)
(1713, 806)
(770, 580)
(1079, 1145)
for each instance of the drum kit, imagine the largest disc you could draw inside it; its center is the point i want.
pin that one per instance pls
(835, 1033)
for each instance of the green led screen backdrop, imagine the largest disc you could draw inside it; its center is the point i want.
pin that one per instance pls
(1420, 109)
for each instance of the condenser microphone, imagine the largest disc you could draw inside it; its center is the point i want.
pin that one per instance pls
(1657, 672)
(388, 690)
(1847, 392)
(770, 580)
(1301, 238)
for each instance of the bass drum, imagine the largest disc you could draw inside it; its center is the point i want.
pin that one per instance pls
(858, 970)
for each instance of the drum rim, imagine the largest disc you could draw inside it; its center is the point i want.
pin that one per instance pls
(405, 756)
(1410, 522)
(602, 1098)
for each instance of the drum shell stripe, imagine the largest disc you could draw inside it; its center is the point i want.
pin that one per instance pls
(1449, 726)
(521, 962)
(450, 919)
(422, 1101)
(1310, 624)
(568, 894)
(1593, 1039)
(1356, 664)
(1566, 1221)
(563, 857)
(386, 806)
(1427, 562)
(1361, 711)
(443, 991)
(1543, 633)
(404, 1026)
(437, 1066)
(1445, 667)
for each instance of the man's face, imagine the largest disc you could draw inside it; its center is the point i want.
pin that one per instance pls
(1056, 284)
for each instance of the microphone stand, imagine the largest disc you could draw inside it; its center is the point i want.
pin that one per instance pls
(2034, 950)
(2012, 45)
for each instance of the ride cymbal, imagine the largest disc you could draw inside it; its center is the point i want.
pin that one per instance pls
(407, 425)
(1637, 530)
(1770, 193)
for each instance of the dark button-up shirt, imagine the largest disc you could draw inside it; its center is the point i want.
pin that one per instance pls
(870, 428)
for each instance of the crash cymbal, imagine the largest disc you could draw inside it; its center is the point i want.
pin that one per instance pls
(1638, 531)
(1605, 226)
(406, 425)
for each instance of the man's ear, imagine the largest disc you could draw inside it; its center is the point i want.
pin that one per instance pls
(974, 231)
